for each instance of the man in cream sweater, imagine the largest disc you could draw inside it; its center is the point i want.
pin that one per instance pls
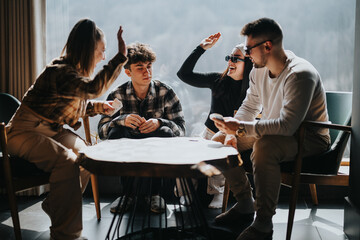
(286, 89)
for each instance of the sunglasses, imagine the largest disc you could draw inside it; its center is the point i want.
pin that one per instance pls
(248, 49)
(234, 59)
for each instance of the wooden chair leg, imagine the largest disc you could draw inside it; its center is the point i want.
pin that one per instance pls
(9, 184)
(14, 215)
(313, 194)
(292, 207)
(226, 197)
(295, 182)
(95, 189)
(94, 181)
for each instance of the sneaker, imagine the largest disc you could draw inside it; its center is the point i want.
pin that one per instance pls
(114, 205)
(157, 204)
(252, 233)
(217, 201)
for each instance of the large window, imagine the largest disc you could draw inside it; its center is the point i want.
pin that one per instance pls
(320, 31)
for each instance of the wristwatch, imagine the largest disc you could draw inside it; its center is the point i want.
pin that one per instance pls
(240, 132)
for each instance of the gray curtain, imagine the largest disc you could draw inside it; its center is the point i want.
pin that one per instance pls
(22, 44)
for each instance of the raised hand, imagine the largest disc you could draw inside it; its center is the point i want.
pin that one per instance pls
(121, 42)
(210, 41)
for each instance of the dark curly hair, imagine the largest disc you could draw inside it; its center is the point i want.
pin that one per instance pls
(139, 52)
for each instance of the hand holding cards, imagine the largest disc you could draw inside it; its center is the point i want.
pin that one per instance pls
(117, 105)
(216, 116)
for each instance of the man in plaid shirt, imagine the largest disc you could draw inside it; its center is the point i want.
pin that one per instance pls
(150, 108)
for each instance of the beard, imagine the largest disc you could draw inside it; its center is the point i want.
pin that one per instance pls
(261, 63)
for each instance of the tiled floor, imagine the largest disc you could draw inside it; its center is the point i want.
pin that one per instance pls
(311, 223)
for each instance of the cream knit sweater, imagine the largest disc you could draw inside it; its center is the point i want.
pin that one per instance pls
(297, 94)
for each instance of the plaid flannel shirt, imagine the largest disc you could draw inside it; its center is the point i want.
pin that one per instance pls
(161, 103)
(61, 95)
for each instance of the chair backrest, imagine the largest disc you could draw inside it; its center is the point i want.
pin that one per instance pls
(339, 106)
(339, 110)
(17, 166)
(8, 106)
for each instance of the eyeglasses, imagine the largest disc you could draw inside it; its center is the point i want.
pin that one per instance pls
(234, 59)
(248, 49)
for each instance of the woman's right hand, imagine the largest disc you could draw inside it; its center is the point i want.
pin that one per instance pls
(210, 41)
(121, 42)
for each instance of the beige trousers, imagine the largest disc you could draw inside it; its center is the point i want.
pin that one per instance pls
(53, 151)
(268, 153)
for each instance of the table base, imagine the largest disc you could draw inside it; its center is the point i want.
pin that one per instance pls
(177, 222)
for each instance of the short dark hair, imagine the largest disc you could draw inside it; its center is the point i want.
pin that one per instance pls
(139, 52)
(81, 44)
(263, 28)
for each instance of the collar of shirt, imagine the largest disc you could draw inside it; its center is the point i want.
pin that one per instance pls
(131, 92)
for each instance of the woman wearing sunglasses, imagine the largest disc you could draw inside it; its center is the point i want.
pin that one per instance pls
(228, 92)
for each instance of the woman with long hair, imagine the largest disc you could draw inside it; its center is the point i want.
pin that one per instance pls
(60, 96)
(228, 90)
